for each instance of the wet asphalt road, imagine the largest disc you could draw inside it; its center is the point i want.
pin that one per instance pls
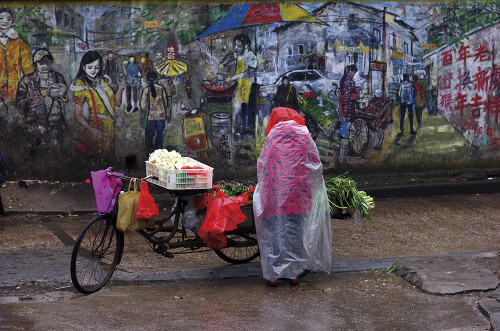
(200, 291)
(351, 301)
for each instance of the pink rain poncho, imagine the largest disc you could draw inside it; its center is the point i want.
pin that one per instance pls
(290, 203)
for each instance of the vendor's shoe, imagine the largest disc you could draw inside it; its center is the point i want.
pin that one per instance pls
(295, 281)
(272, 283)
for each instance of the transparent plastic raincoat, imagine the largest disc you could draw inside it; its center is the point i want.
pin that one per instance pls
(290, 203)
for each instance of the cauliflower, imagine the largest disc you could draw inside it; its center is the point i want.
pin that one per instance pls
(169, 160)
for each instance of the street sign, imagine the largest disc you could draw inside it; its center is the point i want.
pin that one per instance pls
(152, 24)
(171, 52)
(428, 46)
(378, 66)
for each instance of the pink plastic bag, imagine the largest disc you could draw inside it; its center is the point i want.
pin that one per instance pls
(106, 190)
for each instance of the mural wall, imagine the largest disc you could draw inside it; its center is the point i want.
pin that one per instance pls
(383, 86)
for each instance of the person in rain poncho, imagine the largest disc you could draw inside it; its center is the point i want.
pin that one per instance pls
(292, 217)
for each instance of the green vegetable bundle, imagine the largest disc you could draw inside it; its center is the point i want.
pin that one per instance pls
(343, 193)
(233, 189)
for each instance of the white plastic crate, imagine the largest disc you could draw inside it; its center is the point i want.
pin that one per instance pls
(181, 179)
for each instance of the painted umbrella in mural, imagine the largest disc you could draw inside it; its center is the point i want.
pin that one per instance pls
(171, 68)
(246, 15)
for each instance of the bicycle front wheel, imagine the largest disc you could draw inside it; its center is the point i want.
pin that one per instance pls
(97, 251)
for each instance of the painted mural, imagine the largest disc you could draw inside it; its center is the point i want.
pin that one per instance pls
(382, 85)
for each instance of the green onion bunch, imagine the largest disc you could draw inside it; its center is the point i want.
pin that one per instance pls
(343, 193)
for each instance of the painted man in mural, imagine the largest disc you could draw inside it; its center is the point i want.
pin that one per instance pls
(147, 64)
(15, 57)
(286, 96)
(95, 102)
(112, 67)
(244, 101)
(133, 78)
(420, 97)
(41, 98)
(405, 96)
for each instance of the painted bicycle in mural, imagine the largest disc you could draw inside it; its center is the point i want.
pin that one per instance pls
(372, 118)
(369, 126)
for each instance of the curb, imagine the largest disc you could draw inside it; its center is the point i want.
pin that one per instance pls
(253, 269)
(438, 189)
(79, 198)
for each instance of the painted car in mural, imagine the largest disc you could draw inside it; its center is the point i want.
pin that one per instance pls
(303, 80)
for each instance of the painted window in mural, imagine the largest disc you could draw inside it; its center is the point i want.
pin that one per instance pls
(380, 84)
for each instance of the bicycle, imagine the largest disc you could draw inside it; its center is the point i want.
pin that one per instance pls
(99, 246)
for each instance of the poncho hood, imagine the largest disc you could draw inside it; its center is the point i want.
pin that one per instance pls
(283, 114)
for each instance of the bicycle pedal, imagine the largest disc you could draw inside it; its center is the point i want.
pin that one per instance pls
(168, 255)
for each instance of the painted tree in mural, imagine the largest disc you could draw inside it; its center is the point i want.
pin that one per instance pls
(24, 17)
(457, 18)
(183, 21)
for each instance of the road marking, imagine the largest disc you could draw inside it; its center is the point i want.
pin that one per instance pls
(58, 232)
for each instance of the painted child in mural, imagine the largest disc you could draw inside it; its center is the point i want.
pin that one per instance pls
(15, 58)
(159, 58)
(244, 100)
(95, 103)
(133, 79)
(154, 106)
(41, 98)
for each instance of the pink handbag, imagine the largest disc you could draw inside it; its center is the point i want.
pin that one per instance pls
(106, 190)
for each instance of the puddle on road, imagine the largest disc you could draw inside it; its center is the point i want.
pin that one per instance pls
(34, 294)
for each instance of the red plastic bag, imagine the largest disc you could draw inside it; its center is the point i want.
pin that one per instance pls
(146, 209)
(244, 198)
(223, 214)
(202, 201)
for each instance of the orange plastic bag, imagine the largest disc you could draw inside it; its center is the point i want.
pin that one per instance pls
(146, 209)
(223, 214)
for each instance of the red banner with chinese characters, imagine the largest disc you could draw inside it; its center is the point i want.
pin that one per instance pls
(171, 52)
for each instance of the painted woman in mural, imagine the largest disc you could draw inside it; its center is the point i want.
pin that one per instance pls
(348, 94)
(154, 106)
(92, 92)
(244, 101)
(15, 57)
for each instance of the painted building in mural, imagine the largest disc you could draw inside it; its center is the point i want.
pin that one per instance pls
(393, 86)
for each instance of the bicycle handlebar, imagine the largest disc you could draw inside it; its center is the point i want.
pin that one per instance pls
(111, 174)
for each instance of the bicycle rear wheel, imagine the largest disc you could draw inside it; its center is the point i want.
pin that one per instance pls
(241, 248)
(97, 251)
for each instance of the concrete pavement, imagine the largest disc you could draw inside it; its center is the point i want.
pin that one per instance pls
(35, 196)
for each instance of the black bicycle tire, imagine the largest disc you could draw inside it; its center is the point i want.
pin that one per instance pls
(118, 241)
(356, 130)
(226, 257)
